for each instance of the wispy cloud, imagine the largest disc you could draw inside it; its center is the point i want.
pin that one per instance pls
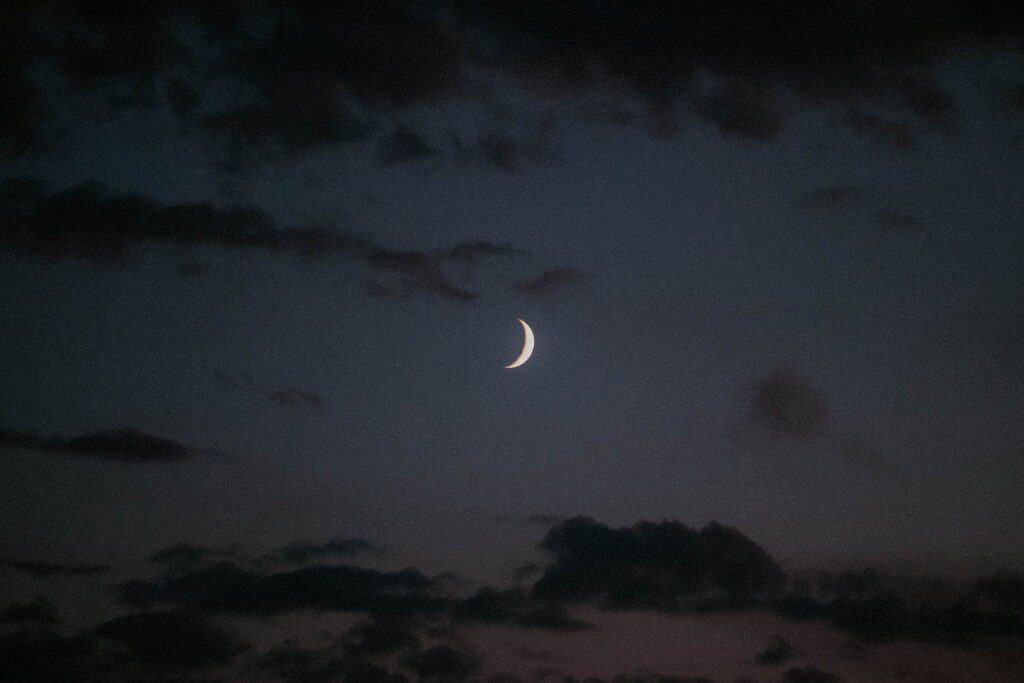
(229, 588)
(291, 396)
(186, 557)
(785, 406)
(549, 283)
(90, 221)
(43, 570)
(120, 445)
(404, 145)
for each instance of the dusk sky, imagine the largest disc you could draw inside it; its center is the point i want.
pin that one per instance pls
(261, 266)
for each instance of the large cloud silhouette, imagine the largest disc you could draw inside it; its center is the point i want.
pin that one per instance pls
(878, 608)
(663, 566)
(173, 641)
(414, 625)
(335, 75)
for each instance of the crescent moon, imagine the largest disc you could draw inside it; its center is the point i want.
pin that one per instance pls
(527, 351)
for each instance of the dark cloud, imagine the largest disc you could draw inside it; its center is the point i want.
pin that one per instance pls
(250, 134)
(43, 570)
(549, 617)
(1004, 590)
(420, 271)
(191, 267)
(185, 557)
(547, 675)
(472, 252)
(842, 211)
(42, 655)
(382, 636)
(227, 587)
(299, 665)
(833, 196)
(549, 283)
(10, 438)
(182, 556)
(289, 85)
(877, 608)
(90, 221)
(898, 220)
(348, 660)
(662, 566)
(786, 404)
(296, 397)
(443, 663)
(127, 42)
(416, 271)
(403, 145)
(123, 445)
(173, 641)
(834, 52)
(503, 150)
(924, 96)
(371, 673)
(744, 110)
(39, 611)
(545, 520)
(887, 615)
(384, 54)
(849, 583)
(515, 606)
(262, 80)
(290, 397)
(778, 652)
(809, 674)
(301, 552)
(21, 102)
(141, 594)
(532, 520)
(526, 571)
(863, 203)
(883, 129)
(1009, 97)
(119, 445)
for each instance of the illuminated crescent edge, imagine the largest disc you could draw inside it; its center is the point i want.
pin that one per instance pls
(527, 351)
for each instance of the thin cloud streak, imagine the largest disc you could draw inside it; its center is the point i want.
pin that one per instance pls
(89, 221)
(118, 445)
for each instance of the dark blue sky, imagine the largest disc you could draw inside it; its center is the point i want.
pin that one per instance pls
(260, 269)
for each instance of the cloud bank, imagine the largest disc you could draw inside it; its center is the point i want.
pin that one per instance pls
(261, 81)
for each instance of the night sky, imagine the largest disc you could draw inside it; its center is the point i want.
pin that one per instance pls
(261, 266)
